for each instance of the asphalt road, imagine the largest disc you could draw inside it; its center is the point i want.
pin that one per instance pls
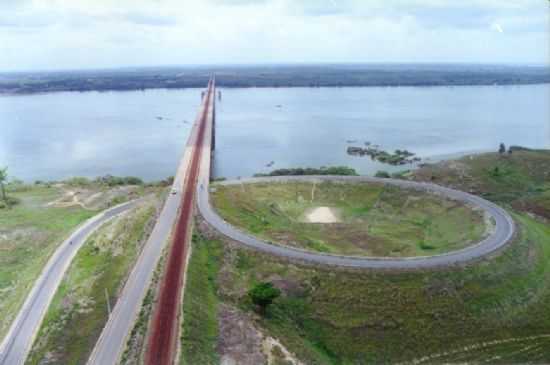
(503, 233)
(18, 341)
(112, 341)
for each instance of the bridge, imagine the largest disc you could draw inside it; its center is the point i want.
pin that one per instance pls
(176, 219)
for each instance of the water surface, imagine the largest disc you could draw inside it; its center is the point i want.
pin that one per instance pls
(142, 133)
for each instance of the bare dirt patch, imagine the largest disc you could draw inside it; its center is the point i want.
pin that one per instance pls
(277, 353)
(240, 342)
(321, 215)
(91, 198)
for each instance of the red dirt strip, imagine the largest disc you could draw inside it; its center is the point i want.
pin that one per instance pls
(162, 341)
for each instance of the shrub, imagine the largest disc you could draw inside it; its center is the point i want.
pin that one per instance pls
(301, 171)
(78, 181)
(9, 202)
(132, 180)
(425, 246)
(382, 174)
(263, 294)
(115, 180)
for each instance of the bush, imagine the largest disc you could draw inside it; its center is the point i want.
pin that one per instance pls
(78, 181)
(9, 202)
(17, 186)
(132, 180)
(400, 175)
(382, 174)
(300, 171)
(116, 181)
(118, 200)
(423, 245)
(263, 294)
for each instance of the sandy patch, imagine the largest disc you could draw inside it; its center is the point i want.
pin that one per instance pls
(321, 215)
(240, 342)
(277, 353)
(91, 199)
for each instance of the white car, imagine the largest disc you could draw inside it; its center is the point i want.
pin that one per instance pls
(174, 191)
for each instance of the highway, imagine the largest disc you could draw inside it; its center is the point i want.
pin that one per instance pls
(18, 341)
(503, 233)
(112, 341)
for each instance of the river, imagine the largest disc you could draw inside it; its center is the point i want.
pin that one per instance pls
(142, 133)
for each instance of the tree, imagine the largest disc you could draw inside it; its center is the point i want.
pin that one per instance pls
(3, 180)
(502, 148)
(263, 294)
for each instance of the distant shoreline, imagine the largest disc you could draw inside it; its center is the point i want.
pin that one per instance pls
(313, 76)
(42, 92)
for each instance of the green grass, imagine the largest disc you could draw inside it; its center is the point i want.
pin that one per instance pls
(376, 220)
(496, 310)
(78, 311)
(200, 304)
(521, 174)
(31, 233)
(354, 317)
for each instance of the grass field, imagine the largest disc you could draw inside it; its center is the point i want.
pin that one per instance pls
(79, 309)
(375, 220)
(29, 233)
(200, 304)
(496, 310)
(329, 316)
(500, 178)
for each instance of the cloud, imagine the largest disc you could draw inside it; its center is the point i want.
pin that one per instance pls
(107, 33)
(149, 19)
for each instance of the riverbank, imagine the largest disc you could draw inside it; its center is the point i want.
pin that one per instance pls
(329, 75)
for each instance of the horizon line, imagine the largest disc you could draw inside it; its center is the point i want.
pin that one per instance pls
(277, 64)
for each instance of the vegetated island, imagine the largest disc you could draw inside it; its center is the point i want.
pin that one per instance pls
(314, 75)
(299, 171)
(399, 157)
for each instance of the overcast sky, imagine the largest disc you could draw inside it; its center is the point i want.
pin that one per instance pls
(73, 34)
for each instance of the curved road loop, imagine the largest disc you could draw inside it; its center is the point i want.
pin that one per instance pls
(503, 233)
(18, 341)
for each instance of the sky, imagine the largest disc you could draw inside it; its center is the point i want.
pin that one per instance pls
(91, 34)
